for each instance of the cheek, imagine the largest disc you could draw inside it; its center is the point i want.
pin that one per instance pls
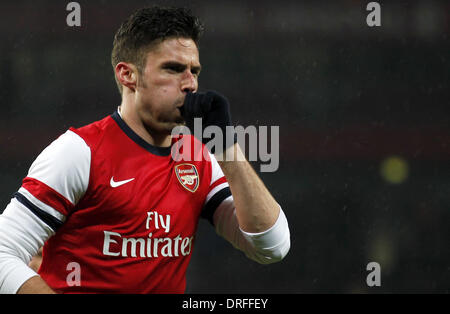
(163, 90)
(163, 97)
(159, 102)
(159, 95)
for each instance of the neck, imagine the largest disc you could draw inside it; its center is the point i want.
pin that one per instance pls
(132, 119)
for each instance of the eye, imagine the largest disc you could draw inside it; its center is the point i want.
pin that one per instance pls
(175, 68)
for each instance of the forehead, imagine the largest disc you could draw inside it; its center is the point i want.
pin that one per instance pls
(183, 50)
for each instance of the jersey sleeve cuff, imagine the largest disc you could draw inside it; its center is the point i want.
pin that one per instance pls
(272, 238)
(19, 273)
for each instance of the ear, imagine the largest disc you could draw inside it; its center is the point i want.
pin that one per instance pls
(126, 74)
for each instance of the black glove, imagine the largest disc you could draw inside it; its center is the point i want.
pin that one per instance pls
(214, 109)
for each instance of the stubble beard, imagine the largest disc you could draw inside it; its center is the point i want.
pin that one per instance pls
(164, 124)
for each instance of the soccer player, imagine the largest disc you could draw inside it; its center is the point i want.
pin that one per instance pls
(111, 198)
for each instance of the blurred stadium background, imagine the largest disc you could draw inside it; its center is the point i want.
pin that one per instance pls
(364, 127)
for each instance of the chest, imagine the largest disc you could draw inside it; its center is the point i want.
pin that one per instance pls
(135, 195)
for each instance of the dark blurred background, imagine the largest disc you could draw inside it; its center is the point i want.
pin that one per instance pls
(364, 127)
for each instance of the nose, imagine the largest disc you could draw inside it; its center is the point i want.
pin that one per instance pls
(189, 83)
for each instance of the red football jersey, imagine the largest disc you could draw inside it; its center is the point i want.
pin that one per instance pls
(124, 210)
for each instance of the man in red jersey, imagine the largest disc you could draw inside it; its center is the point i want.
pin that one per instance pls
(110, 198)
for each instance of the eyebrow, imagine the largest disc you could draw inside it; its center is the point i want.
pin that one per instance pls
(168, 64)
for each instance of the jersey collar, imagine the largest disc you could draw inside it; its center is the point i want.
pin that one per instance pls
(156, 150)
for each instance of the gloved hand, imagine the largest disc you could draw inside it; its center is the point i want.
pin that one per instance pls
(214, 109)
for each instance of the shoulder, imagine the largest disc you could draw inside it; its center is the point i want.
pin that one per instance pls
(63, 168)
(93, 132)
(74, 146)
(67, 148)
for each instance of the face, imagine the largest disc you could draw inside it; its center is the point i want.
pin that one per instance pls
(171, 70)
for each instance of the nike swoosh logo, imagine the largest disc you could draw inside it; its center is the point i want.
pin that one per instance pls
(115, 184)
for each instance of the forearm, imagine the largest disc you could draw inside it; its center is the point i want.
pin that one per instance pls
(35, 285)
(256, 209)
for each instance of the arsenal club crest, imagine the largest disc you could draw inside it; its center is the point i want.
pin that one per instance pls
(187, 174)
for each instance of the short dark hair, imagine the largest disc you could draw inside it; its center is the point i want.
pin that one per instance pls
(148, 26)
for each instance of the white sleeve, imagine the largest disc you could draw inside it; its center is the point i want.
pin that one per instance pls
(60, 174)
(56, 181)
(21, 235)
(265, 247)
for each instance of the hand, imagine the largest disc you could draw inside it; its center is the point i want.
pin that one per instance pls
(214, 109)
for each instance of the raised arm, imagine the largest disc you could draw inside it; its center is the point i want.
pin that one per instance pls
(250, 219)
